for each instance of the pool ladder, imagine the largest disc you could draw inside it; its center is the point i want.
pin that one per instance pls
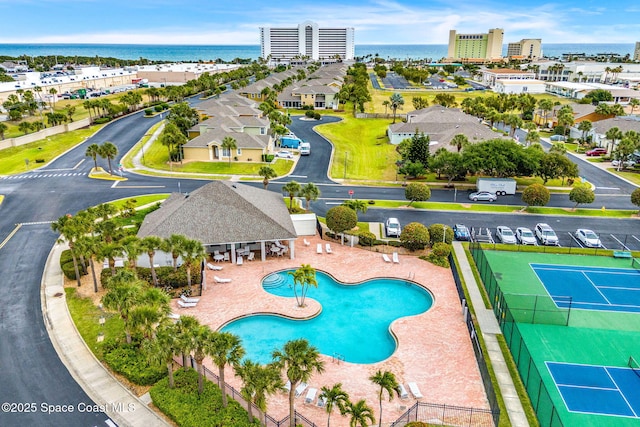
(411, 276)
(337, 357)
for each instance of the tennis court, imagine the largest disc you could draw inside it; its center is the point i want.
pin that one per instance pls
(591, 288)
(597, 390)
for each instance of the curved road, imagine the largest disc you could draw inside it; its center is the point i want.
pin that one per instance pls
(31, 369)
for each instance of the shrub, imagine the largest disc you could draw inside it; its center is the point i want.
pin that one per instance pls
(40, 160)
(635, 197)
(441, 249)
(317, 116)
(437, 234)
(581, 194)
(341, 218)
(366, 238)
(417, 192)
(129, 361)
(268, 158)
(158, 108)
(309, 114)
(148, 111)
(102, 120)
(414, 236)
(371, 202)
(66, 264)
(536, 195)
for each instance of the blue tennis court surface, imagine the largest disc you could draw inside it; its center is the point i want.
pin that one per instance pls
(591, 288)
(601, 390)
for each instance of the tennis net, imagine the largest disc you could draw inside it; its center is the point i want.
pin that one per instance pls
(633, 364)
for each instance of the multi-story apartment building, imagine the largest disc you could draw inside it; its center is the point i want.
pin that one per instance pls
(525, 49)
(307, 40)
(482, 47)
(636, 52)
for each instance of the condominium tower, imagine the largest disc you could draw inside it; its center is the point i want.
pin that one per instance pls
(480, 47)
(636, 53)
(525, 48)
(307, 40)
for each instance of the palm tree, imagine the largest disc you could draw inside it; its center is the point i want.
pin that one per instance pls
(123, 297)
(175, 244)
(291, 188)
(89, 246)
(310, 192)
(93, 151)
(151, 244)
(108, 151)
(163, 348)
(201, 340)
(70, 230)
(132, 249)
(585, 126)
(305, 276)
(226, 349)
(192, 254)
(53, 93)
(356, 205)
(613, 135)
(152, 307)
(229, 143)
(184, 344)
(171, 137)
(459, 141)
(386, 104)
(396, 100)
(111, 251)
(334, 396)
(299, 361)
(634, 102)
(3, 129)
(361, 414)
(259, 381)
(387, 382)
(266, 172)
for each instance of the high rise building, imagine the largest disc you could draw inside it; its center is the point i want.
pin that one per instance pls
(307, 40)
(525, 48)
(636, 53)
(480, 47)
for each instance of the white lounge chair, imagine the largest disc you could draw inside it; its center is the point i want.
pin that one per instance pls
(213, 267)
(226, 256)
(300, 389)
(183, 304)
(189, 299)
(252, 256)
(173, 316)
(311, 395)
(386, 258)
(220, 280)
(319, 248)
(322, 401)
(239, 260)
(402, 392)
(287, 386)
(306, 242)
(328, 246)
(396, 260)
(415, 390)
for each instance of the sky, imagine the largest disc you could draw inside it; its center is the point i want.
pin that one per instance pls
(212, 22)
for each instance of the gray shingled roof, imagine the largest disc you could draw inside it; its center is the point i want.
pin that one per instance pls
(624, 123)
(215, 137)
(222, 212)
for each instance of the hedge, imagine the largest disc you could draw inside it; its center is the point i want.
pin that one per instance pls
(166, 276)
(129, 361)
(66, 264)
(185, 407)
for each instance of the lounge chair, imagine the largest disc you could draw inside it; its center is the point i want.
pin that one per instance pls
(173, 316)
(252, 256)
(402, 392)
(311, 395)
(386, 258)
(213, 267)
(329, 251)
(415, 390)
(322, 401)
(300, 389)
(287, 386)
(319, 248)
(189, 299)
(239, 261)
(396, 260)
(220, 280)
(306, 242)
(226, 256)
(183, 304)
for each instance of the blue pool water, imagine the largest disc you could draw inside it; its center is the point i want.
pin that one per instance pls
(354, 321)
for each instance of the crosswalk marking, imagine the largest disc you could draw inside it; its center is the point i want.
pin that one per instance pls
(42, 175)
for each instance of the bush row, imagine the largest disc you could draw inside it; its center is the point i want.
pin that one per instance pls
(130, 362)
(166, 276)
(66, 264)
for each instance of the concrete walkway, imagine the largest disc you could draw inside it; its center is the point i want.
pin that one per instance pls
(120, 404)
(490, 330)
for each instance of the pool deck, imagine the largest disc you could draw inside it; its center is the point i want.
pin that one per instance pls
(434, 349)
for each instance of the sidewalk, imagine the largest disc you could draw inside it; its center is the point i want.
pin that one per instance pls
(490, 329)
(94, 378)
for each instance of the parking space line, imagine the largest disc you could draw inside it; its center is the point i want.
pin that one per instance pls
(621, 244)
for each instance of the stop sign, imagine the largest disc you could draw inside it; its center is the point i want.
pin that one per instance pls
(351, 192)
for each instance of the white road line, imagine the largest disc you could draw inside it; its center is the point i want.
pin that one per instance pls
(607, 188)
(298, 176)
(621, 244)
(15, 230)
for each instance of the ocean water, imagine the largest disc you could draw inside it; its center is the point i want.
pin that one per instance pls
(229, 52)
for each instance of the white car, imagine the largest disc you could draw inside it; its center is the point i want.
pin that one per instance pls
(392, 227)
(546, 235)
(525, 236)
(505, 234)
(626, 163)
(588, 238)
(285, 154)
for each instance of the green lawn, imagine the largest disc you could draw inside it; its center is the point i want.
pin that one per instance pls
(631, 176)
(364, 145)
(127, 160)
(13, 159)
(140, 200)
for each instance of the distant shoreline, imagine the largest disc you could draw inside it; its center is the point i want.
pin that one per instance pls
(194, 53)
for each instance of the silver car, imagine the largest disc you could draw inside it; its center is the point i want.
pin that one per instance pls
(505, 234)
(484, 196)
(588, 238)
(525, 236)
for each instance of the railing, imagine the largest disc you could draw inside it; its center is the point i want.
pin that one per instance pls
(438, 414)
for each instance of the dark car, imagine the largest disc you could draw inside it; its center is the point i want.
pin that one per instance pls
(598, 151)
(461, 232)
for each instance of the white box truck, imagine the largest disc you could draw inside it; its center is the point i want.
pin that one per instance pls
(498, 186)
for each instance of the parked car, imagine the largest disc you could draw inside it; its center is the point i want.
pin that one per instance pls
(546, 235)
(461, 232)
(598, 151)
(505, 234)
(588, 238)
(285, 154)
(483, 195)
(524, 236)
(626, 163)
(557, 138)
(392, 227)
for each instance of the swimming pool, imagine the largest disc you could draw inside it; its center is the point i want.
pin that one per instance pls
(354, 321)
